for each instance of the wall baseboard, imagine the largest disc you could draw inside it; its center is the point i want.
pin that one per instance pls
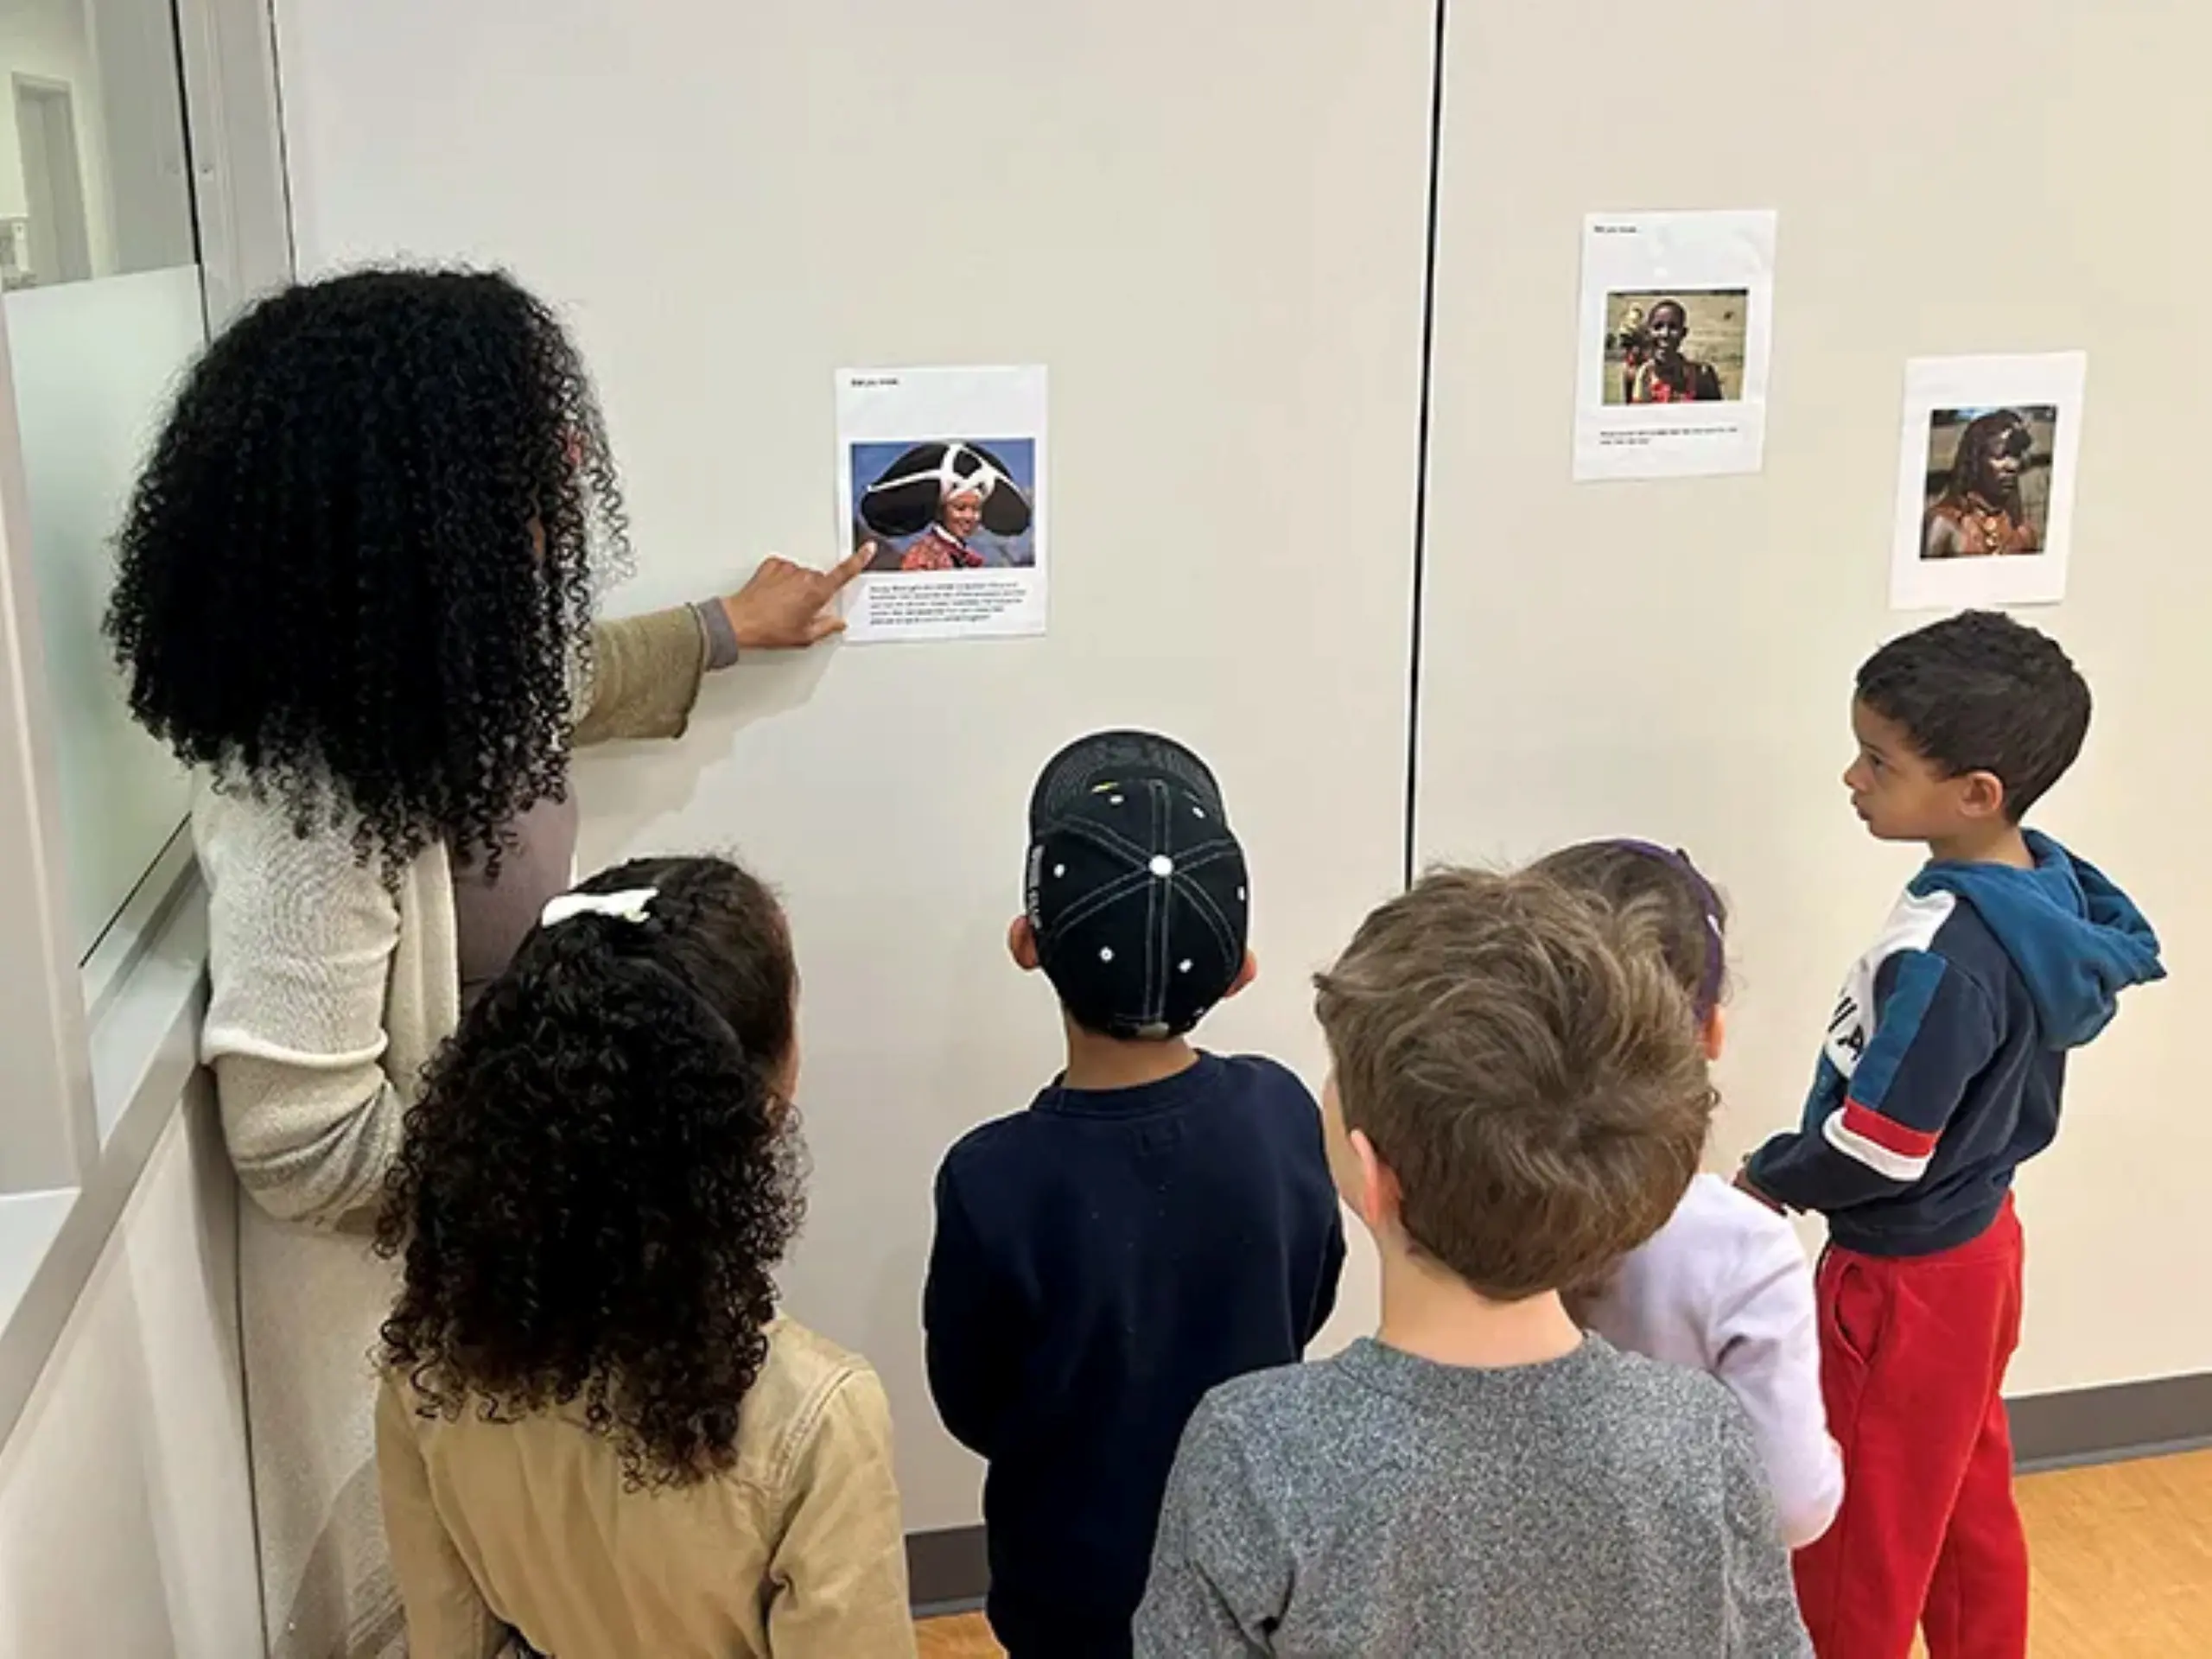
(947, 1571)
(2113, 1423)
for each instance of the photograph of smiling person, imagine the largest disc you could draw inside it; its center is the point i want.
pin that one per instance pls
(1684, 347)
(944, 545)
(1989, 474)
(948, 504)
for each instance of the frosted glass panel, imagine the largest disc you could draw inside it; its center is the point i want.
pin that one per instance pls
(97, 258)
(94, 363)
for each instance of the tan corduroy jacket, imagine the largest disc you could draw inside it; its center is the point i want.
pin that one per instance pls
(795, 1553)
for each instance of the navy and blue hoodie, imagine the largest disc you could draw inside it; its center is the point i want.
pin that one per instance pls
(1101, 1260)
(1946, 1055)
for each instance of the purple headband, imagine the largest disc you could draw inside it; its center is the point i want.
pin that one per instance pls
(1716, 948)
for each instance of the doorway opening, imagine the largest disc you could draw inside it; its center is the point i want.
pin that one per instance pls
(53, 182)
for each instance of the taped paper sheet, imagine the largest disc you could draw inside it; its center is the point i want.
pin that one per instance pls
(1986, 474)
(1677, 331)
(943, 471)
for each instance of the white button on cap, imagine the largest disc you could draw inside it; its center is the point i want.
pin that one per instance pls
(1162, 866)
(1106, 954)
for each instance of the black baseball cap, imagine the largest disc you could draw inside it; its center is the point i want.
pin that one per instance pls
(1136, 888)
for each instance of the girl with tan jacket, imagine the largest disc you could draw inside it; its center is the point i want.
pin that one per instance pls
(596, 1439)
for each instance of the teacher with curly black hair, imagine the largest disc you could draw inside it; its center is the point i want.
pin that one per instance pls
(357, 597)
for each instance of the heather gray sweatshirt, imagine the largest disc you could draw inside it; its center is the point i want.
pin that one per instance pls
(1379, 1506)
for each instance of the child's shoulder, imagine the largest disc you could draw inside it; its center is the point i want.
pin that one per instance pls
(1260, 1076)
(1273, 1408)
(1712, 1222)
(811, 1392)
(1273, 1389)
(1338, 1398)
(978, 1161)
(1679, 1399)
(811, 1361)
(1715, 1218)
(1027, 1148)
(1922, 918)
(1013, 1138)
(1271, 1108)
(988, 1141)
(1717, 1245)
(1933, 918)
(1722, 1264)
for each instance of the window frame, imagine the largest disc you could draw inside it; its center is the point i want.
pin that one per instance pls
(99, 1057)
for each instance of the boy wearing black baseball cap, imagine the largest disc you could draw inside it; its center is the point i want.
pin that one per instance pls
(1159, 1220)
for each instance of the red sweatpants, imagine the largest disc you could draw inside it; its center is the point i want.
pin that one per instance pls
(1913, 1351)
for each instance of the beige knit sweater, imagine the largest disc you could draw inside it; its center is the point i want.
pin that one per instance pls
(330, 994)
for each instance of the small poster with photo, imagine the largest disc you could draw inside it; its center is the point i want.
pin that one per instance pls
(1986, 476)
(1677, 330)
(942, 472)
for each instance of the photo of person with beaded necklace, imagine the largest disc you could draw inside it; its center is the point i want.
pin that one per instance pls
(1989, 475)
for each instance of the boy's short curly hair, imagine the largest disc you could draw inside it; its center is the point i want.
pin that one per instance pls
(1979, 692)
(1526, 1065)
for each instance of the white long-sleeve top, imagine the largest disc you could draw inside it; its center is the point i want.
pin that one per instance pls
(1724, 1287)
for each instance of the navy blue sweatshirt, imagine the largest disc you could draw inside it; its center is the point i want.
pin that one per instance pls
(1946, 1055)
(1100, 1262)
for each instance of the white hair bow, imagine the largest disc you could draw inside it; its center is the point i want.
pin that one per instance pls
(630, 906)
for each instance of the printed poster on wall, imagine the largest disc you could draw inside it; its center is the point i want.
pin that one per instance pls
(1677, 331)
(1986, 474)
(942, 471)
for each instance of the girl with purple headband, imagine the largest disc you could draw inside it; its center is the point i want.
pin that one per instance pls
(1723, 1287)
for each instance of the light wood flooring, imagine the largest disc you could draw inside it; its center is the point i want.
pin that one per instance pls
(2122, 1557)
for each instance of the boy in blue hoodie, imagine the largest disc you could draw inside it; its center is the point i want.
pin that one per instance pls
(1941, 1074)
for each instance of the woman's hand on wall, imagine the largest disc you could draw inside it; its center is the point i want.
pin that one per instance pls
(784, 606)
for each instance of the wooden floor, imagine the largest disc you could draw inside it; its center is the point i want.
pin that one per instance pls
(2122, 1554)
(967, 1638)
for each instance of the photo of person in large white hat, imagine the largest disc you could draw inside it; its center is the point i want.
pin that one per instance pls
(931, 505)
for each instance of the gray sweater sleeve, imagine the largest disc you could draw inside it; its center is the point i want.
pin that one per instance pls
(720, 632)
(1220, 1579)
(1762, 1614)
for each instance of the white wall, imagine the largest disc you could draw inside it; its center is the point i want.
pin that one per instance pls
(1674, 659)
(126, 1522)
(1207, 220)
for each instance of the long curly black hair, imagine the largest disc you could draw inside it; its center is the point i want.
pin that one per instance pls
(358, 572)
(603, 1172)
